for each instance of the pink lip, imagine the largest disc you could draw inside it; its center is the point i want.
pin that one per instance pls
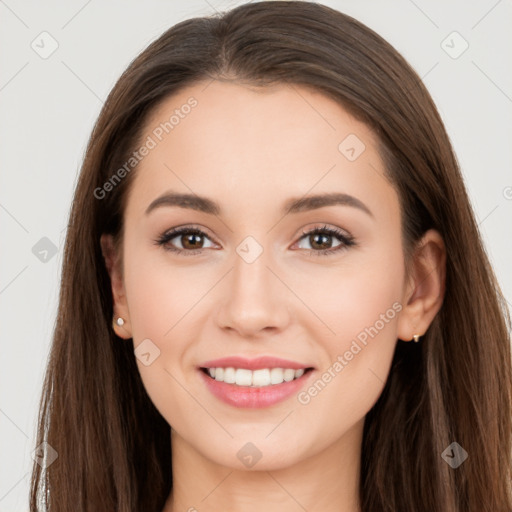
(258, 363)
(255, 398)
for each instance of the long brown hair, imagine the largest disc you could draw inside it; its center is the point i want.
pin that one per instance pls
(113, 445)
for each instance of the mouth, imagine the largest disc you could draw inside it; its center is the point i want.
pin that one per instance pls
(261, 378)
(254, 389)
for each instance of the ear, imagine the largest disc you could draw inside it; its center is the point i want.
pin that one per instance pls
(425, 287)
(113, 263)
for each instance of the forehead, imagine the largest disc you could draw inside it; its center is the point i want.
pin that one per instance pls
(258, 144)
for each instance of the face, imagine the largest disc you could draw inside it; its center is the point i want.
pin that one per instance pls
(250, 277)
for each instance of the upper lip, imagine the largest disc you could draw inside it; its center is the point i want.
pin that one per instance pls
(257, 363)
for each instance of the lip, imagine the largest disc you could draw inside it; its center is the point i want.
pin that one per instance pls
(254, 398)
(258, 363)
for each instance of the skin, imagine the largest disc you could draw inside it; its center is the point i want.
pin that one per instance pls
(251, 150)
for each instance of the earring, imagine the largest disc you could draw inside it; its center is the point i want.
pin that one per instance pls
(120, 321)
(415, 337)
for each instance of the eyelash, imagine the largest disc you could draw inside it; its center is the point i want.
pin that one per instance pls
(346, 239)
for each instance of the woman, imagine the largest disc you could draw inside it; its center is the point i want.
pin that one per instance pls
(268, 213)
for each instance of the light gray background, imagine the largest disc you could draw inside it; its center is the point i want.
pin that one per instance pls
(48, 107)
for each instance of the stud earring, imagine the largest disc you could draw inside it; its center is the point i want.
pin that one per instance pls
(120, 321)
(415, 337)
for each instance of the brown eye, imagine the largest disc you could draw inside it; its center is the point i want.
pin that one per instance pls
(183, 240)
(321, 240)
(191, 241)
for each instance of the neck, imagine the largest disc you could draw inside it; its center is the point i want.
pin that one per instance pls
(327, 481)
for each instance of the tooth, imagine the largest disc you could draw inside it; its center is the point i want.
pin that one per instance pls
(261, 377)
(288, 374)
(257, 378)
(243, 377)
(229, 375)
(276, 375)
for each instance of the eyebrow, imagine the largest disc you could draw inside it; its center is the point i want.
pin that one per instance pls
(293, 205)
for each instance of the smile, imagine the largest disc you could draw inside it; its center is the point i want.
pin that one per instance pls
(254, 378)
(254, 388)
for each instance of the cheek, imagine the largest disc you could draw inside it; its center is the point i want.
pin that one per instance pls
(160, 295)
(360, 305)
(161, 300)
(368, 302)
(345, 300)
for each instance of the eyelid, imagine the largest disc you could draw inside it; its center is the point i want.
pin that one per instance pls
(345, 238)
(180, 230)
(177, 230)
(324, 227)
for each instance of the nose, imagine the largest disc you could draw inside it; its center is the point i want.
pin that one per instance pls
(256, 300)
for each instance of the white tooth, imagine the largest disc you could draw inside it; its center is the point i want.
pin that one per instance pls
(229, 375)
(276, 375)
(219, 373)
(288, 374)
(257, 378)
(243, 377)
(261, 377)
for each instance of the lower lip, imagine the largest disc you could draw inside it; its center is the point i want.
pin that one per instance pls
(255, 398)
